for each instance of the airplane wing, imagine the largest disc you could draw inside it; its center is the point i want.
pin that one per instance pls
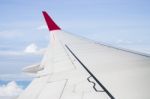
(77, 68)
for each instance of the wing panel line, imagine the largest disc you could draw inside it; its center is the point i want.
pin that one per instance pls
(100, 84)
(63, 89)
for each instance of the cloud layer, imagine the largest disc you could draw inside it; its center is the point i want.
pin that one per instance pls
(10, 89)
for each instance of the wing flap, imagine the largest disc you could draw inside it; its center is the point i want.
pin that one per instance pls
(33, 68)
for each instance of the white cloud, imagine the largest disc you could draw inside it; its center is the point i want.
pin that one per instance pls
(11, 89)
(16, 77)
(120, 41)
(42, 27)
(33, 49)
(30, 49)
(11, 53)
(7, 34)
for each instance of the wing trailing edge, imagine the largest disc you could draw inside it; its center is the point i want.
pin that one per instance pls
(50, 23)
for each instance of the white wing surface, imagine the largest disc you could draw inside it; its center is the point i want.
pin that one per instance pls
(77, 68)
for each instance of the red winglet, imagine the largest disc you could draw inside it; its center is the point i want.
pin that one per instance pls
(50, 23)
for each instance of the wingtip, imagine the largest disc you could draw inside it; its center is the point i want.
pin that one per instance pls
(50, 23)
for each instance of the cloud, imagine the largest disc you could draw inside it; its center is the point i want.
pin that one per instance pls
(11, 53)
(30, 49)
(11, 89)
(16, 77)
(7, 34)
(120, 41)
(33, 49)
(42, 27)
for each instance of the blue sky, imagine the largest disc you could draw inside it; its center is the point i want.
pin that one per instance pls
(123, 23)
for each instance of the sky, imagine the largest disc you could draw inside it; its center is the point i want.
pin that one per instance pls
(24, 36)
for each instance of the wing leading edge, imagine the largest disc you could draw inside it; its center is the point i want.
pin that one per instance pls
(77, 68)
